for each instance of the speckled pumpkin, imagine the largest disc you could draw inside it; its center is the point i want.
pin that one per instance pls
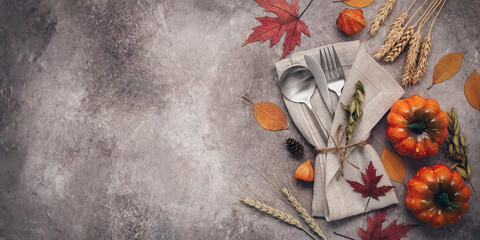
(437, 195)
(416, 126)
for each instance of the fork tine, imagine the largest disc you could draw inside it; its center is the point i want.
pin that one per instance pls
(329, 68)
(339, 65)
(332, 62)
(322, 63)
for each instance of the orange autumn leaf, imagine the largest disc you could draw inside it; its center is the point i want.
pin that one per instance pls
(269, 115)
(305, 172)
(358, 3)
(447, 67)
(472, 90)
(394, 165)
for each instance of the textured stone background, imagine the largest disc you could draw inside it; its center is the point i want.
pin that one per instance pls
(123, 119)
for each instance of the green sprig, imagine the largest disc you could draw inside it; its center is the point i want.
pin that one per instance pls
(354, 110)
(457, 148)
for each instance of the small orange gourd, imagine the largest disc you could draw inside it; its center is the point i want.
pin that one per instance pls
(437, 195)
(305, 172)
(351, 21)
(416, 126)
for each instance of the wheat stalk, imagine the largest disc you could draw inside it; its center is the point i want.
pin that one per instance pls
(276, 213)
(411, 59)
(422, 60)
(393, 54)
(382, 14)
(303, 212)
(394, 34)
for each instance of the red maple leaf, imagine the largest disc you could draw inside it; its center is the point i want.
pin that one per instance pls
(287, 20)
(374, 230)
(371, 181)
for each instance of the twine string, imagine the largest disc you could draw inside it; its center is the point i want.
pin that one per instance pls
(340, 149)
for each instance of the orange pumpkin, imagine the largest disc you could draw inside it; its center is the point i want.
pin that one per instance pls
(416, 126)
(437, 195)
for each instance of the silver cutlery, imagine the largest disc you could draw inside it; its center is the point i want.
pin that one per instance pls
(333, 69)
(298, 85)
(321, 81)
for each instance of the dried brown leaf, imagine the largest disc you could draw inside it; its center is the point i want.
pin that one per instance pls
(394, 165)
(472, 90)
(270, 116)
(447, 67)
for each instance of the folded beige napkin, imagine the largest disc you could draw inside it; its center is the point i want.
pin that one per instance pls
(334, 199)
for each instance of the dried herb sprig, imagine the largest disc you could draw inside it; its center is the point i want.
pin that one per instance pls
(302, 212)
(354, 110)
(276, 213)
(458, 149)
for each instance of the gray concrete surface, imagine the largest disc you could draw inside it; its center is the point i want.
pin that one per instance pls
(123, 119)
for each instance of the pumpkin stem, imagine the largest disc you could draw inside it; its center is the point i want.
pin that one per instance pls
(417, 128)
(443, 199)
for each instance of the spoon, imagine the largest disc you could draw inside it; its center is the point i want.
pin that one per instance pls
(298, 85)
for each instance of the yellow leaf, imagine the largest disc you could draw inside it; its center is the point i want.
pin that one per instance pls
(472, 90)
(358, 3)
(447, 67)
(270, 116)
(394, 165)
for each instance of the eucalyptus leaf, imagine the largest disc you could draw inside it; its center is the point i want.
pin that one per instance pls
(462, 172)
(455, 140)
(457, 149)
(463, 139)
(357, 109)
(360, 96)
(454, 165)
(352, 107)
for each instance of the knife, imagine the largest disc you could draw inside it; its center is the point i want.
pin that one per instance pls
(321, 81)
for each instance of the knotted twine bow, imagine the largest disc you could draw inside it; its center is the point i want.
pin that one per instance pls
(341, 150)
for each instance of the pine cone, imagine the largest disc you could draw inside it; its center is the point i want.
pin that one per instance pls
(294, 147)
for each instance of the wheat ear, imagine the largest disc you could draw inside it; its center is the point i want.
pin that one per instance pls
(411, 59)
(393, 54)
(382, 14)
(302, 212)
(425, 51)
(422, 60)
(276, 213)
(394, 34)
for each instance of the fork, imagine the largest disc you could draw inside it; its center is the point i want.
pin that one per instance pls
(333, 70)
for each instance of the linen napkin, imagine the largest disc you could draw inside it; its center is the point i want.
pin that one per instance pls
(334, 199)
